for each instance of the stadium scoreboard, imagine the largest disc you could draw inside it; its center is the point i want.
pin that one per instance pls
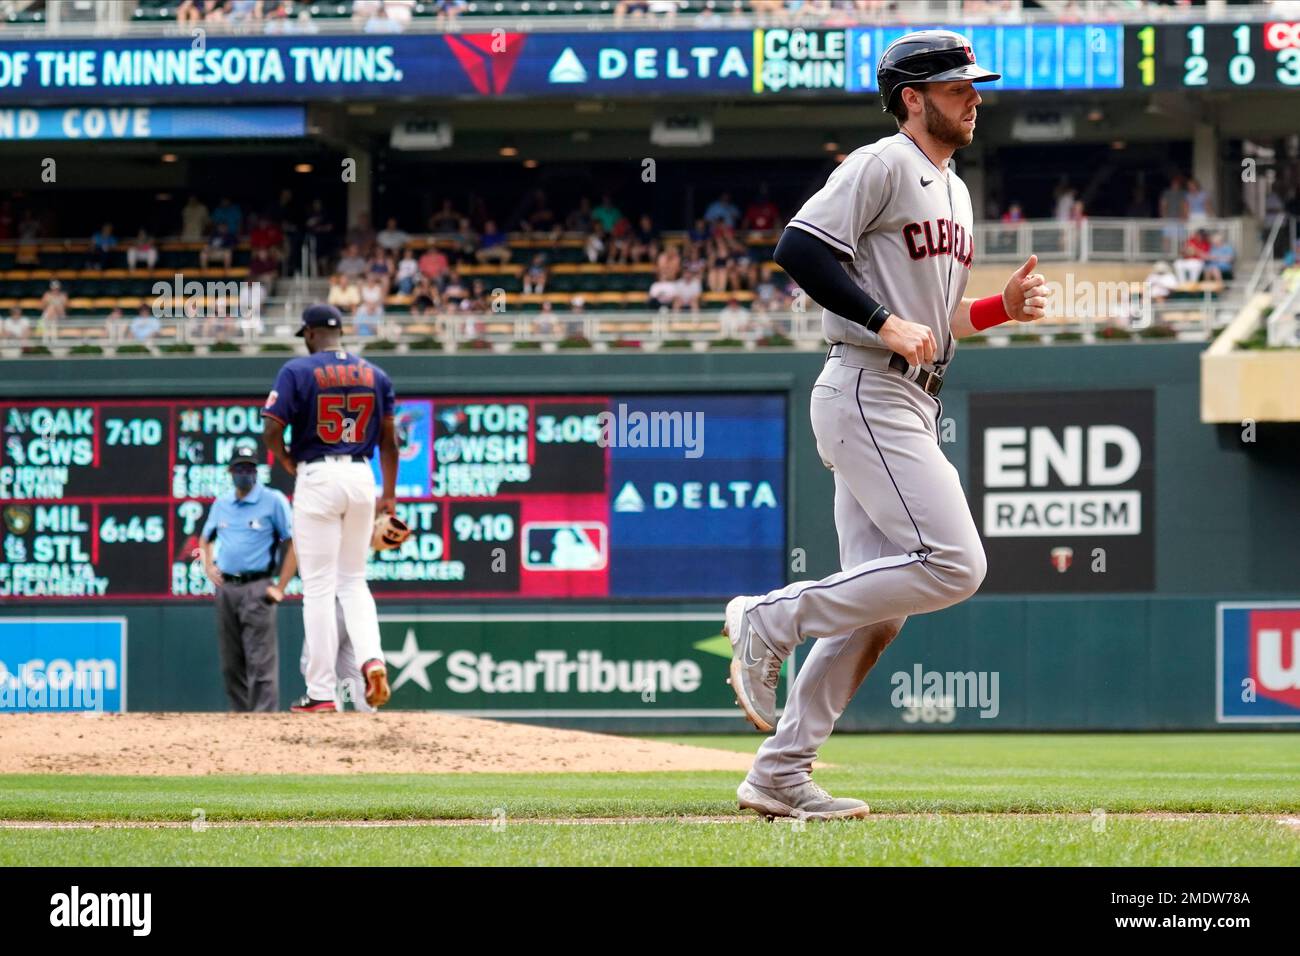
(634, 496)
(1213, 56)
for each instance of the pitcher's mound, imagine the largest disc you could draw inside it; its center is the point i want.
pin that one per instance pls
(389, 742)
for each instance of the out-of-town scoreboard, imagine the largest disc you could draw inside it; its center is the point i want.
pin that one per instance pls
(529, 496)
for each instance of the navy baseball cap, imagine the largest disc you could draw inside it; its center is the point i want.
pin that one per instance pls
(245, 454)
(320, 316)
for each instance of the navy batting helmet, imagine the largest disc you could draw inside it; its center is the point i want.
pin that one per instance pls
(927, 56)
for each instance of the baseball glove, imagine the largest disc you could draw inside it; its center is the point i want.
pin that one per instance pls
(390, 532)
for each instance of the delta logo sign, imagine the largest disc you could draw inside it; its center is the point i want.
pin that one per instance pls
(1258, 663)
(488, 59)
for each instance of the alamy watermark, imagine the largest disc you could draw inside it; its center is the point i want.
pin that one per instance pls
(937, 695)
(657, 429)
(181, 299)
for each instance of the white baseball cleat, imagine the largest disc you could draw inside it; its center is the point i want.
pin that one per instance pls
(803, 801)
(755, 668)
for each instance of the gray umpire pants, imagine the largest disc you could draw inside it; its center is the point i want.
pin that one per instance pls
(246, 640)
(908, 545)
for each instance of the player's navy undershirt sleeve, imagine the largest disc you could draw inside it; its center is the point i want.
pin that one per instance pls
(813, 264)
(282, 403)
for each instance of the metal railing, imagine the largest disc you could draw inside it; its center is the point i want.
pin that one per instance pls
(111, 18)
(1097, 240)
(649, 330)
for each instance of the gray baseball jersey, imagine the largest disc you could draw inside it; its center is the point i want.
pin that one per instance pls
(904, 227)
(908, 543)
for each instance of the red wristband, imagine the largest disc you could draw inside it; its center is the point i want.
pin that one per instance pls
(988, 312)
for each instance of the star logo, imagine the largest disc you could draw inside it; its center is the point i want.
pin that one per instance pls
(414, 663)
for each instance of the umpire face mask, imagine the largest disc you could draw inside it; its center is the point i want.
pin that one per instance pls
(244, 478)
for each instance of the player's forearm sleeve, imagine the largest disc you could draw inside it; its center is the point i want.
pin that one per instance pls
(813, 265)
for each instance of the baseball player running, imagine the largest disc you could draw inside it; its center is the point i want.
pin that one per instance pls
(339, 407)
(886, 248)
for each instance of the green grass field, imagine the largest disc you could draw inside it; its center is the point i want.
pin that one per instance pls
(1185, 799)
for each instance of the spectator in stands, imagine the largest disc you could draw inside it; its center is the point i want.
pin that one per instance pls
(453, 290)
(733, 319)
(381, 267)
(607, 214)
(144, 326)
(242, 11)
(1173, 201)
(466, 240)
(362, 234)
(718, 259)
(220, 247)
(761, 214)
(408, 271)
(1191, 264)
(115, 324)
(54, 305)
(194, 220)
(1160, 282)
(6, 220)
(579, 220)
(476, 300)
(230, 214)
(767, 298)
(263, 267)
(448, 10)
(545, 324)
(351, 263)
(142, 249)
(630, 8)
(644, 240)
(434, 265)
(425, 297)
(1077, 213)
(535, 277)
(102, 244)
(1222, 257)
(537, 215)
(370, 313)
(1197, 202)
(662, 294)
(700, 232)
(1064, 197)
(620, 243)
(722, 211)
(446, 219)
(344, 294)
(1014, 213)
(391, 239)
(29, 227)
(689, 289)
(668, 267)
(597, 245)
(317, 235)
(374, 290)
(16, 326)
(492, 245)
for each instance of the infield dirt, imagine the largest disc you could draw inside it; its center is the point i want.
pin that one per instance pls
(390, 742)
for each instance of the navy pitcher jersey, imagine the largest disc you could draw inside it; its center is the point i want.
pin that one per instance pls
(333, 402)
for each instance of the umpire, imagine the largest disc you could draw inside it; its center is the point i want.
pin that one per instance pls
(251, 524)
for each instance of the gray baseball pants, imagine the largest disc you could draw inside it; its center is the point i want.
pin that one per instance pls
(908, 545)
(246, 643)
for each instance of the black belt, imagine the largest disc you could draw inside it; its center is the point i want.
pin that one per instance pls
(244, 578)
(929, 382)
(323, 457)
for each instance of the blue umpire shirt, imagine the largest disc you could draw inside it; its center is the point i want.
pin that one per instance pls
(249, 529)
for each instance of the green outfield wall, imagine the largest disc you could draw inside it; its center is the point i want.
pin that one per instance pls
(1126, 631)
